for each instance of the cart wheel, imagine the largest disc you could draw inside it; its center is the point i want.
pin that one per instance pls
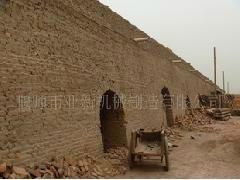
(131, 157)
(140, 158)
(166, 167)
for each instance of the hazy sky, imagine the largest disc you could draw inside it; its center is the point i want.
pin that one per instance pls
(191, 28)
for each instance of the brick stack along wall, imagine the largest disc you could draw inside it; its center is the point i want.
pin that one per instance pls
(60, 48)
(236, 103)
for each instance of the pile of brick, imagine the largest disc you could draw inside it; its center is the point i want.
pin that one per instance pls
(118, 158)
(194, 120)
(12, 172)
(113, 163)
(235, 112)
(173, 133)
(173, 137)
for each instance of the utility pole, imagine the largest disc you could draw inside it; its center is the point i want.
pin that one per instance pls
(228, 88)
(215, 70)
(223, 81)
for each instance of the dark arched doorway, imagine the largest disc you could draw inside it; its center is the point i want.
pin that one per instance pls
(188, 102)
(112, 121)
(167, 101)
(188, 106)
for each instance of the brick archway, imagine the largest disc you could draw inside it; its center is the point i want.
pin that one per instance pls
(167, 101)
(112, 121)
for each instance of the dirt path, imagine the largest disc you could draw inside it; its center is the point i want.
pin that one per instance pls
(209, 155)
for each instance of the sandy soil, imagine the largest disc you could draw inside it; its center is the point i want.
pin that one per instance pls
(209, 155)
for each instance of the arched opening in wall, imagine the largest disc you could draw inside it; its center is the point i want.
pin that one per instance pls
(112, 121)
(188, 106)
(188, 102)
(167, 102)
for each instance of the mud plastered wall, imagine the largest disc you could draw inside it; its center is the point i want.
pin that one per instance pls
(77, 49)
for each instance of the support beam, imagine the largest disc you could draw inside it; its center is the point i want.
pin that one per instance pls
(177, 61)
(140, 39)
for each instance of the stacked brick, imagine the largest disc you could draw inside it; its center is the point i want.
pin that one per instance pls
(112, 164)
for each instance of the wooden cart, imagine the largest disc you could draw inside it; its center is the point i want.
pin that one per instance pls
(145, 145)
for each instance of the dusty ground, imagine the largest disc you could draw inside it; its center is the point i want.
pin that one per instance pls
(213, 154)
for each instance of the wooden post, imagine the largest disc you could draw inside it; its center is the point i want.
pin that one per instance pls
(223, 81)
(228, 88)
(215, 70)
(224, 92)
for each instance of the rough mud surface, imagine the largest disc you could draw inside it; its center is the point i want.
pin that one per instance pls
(200, 154)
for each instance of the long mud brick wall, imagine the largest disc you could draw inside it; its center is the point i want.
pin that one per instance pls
(77, 49)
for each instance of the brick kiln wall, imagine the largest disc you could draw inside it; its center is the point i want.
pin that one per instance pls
(56, 47)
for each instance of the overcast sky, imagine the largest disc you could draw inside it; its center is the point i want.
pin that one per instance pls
(191, 28)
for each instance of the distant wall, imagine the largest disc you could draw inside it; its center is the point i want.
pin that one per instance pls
(54, 49)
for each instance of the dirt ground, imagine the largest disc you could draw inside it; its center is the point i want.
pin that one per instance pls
(214, 154)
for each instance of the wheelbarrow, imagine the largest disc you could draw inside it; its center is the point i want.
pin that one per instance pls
(148, 145)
